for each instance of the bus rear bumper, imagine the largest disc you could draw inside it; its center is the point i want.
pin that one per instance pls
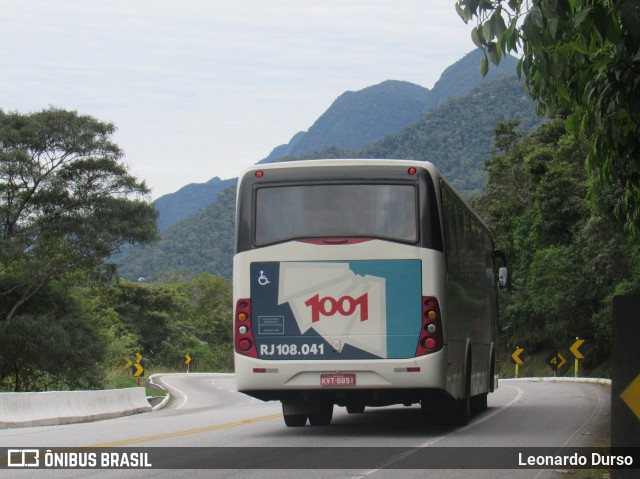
(387, 381)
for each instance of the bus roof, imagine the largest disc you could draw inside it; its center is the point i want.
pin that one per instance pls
(346, 162)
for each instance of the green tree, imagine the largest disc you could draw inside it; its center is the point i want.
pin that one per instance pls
(53, 344)
(212, 320)
(582, 56)
(150, 312)
(168, 320)
(568, 254)
(66, 203)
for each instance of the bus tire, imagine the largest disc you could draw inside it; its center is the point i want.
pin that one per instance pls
(479, 402)
(355, 408)
(463, 412)
(492, 374)
(323, 416)
(295, 420)
(294, 415)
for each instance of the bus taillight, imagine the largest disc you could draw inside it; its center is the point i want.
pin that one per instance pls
(244, 342)
(431, 333)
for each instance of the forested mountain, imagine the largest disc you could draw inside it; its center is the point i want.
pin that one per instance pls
(200, 243)
(457, 136)
(359, 118)
(464, 75)
(188, 200)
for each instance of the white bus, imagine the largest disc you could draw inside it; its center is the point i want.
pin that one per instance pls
(362, 283)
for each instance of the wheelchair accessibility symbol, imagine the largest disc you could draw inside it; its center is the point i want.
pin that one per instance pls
(263, 280)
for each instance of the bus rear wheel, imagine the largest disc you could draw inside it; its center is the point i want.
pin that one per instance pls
(355, 408)
(479, 403)
(463, 409)
(294, 415)
(295, 420)
(323, 416)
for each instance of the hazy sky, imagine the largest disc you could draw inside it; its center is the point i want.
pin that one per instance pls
(204, 88)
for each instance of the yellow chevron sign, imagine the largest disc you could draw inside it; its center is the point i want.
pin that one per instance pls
(516, 356)
(188, 359)
(631, 396)
(556, 361)
(139, 370)
(574, 349)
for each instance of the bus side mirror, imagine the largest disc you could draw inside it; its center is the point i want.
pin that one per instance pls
(503, 272)
(503, 277)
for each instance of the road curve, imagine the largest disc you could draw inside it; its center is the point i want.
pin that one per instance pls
(207, 412)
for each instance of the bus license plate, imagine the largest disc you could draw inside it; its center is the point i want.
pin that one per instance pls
(337, 380)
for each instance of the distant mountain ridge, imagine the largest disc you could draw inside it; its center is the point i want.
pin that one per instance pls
(360, 118)
(464, 76)
(456, 136)
(202, 242)
(354, 120)
(185, 202)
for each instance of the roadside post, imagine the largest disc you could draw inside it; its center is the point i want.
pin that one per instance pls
(556, 362)
(515, 358)
(138, 368)
(625, 379)
(576, 354)
(186, 363)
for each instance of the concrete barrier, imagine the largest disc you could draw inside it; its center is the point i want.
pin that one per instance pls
(65, 407)
(603, 381)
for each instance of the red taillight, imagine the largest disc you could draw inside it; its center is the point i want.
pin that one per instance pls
(412, 171)
(259, 174)
(431, 333)
(429, 343)
(244, 342)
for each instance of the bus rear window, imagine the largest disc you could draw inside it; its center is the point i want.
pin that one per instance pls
(336, 210)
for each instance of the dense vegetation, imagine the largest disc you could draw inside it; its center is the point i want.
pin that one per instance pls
(92, 326)
(67, 204)
(568, 253)
(165, 321)
(581, 56)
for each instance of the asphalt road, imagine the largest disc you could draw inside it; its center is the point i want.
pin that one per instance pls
(207, 414)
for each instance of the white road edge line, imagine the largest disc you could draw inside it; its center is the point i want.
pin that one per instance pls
(438, 439)
(185, 398)
(596, 409)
